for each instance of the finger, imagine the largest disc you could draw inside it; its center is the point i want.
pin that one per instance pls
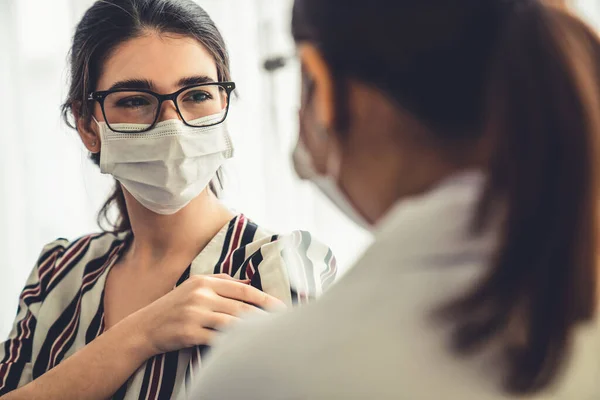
(239, 291)
(203, 337)
(223, 276)
(232, 307)
(230, 278)
(217, 320)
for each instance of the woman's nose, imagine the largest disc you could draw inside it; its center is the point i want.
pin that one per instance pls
(168, 111)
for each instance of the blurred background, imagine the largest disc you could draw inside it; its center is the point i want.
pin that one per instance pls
(49, 188)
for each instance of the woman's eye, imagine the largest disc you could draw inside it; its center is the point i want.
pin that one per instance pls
(197, 97)
(133, 102)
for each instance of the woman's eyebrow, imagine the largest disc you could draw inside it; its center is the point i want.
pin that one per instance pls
(148, 84)
(195, 80)
(133, 84)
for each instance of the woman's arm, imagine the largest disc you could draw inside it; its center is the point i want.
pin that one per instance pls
(16, 351)
(185, 317)
(96, 371)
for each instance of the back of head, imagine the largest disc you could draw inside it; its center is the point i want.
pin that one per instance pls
(520, 76)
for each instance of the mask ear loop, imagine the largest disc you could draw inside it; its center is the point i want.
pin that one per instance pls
(329, 182)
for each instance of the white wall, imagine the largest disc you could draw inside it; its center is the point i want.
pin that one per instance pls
(589, 9)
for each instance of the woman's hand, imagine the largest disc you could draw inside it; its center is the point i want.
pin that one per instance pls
(192, 313)
(185, 317)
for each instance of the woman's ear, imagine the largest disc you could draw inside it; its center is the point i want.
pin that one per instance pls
(88, 135)
(319, 73)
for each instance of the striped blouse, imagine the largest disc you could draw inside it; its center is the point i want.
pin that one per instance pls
(61, 307)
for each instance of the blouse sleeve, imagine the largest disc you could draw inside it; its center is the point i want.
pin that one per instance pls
(15, 352)
(295, 268)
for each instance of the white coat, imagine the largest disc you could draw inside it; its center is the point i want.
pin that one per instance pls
(372, 336)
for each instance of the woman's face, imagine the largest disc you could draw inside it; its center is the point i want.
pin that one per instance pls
(163, 63)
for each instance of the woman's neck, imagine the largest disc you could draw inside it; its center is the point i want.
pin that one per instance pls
(181, 236)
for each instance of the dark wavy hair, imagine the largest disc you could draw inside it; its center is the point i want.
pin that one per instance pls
(108, 23)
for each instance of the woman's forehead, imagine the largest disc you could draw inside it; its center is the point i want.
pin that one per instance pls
(164, 60)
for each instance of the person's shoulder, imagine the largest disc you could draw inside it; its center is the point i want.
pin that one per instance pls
(62, 256)
(297, 256)
(311, 264)
(95, 243)
(246, 231)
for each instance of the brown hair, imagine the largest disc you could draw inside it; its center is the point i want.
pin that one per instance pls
(524, 75)
(108, 23)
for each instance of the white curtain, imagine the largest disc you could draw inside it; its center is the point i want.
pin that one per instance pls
(48, 187)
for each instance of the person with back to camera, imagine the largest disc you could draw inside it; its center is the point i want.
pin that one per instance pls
(129, 313)
(465, 134)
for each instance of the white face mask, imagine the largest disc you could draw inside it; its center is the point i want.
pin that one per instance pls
(170, 165)
(305, 169)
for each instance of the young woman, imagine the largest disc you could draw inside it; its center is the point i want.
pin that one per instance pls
(467, 131)
(128, 313)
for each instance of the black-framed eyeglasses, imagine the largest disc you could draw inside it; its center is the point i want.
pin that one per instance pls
(138, 110)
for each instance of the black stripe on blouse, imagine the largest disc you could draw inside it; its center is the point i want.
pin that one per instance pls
(226, 245)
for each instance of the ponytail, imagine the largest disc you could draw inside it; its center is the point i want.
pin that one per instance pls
(543, 105)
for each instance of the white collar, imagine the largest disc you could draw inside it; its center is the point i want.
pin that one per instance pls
(436, 225)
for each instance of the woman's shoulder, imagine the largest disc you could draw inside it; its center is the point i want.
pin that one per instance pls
(309, 263)
(277, 261)
(65, 250)
(245, 233)
(62, 257)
